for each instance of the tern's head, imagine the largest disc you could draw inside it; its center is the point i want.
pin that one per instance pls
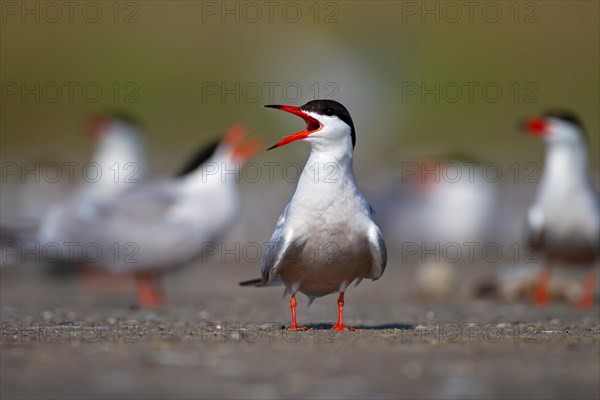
(112, 126)
(556, 127)
(119, 144)
(230, 152)
(327, 122)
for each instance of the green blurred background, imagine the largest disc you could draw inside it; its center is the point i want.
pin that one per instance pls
(166, 55)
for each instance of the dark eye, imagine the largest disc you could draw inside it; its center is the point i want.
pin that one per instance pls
(329, 111)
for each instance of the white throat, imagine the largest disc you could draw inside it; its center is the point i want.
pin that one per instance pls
(565, 165)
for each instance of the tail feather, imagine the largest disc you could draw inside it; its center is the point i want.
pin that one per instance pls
(258, 282)
(252, 282)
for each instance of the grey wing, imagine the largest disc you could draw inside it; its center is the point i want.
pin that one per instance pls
(138, 223)
(143, 203)
(378, 252)
(277, 248)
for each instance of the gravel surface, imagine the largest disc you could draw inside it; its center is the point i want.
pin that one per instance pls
(215, 339)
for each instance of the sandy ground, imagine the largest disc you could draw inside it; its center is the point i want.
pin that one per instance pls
(215, 339)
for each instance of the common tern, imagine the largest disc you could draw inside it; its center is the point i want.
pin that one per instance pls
(564, 219)
(325, 238)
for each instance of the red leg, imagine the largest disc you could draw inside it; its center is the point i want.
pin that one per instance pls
(589, 285)
(542, 292)
(340, 325)
(149, 290)
(294, 326)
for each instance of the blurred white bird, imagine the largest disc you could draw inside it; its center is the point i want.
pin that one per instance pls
(48, 207)
(564, 219)
(443, 205)
(156, 226)
(118, 164)
(443, 200)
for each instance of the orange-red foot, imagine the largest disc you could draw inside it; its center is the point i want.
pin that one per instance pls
(542, 289)
(589, 285)
(149, 290)
(340, 325)
(297, 328)
(294, 326)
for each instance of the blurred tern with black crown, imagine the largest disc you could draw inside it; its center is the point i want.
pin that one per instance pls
(325, 238)
(162, 225)
(158, 225)
(564, 220)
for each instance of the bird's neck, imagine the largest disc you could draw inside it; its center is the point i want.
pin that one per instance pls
(117, 164)
(218, 171)
(566, 165)
(328, 165)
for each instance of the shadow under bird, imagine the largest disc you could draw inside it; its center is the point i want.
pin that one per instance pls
(564, 219)
(325, 238)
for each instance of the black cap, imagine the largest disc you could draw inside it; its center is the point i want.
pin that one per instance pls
(331, 108)
(565, 116)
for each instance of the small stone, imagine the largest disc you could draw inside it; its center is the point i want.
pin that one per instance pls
(203, 314)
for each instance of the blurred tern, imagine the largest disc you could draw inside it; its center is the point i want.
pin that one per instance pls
(120, 163)
(564, 220)
(325, 237)
(441, 202)
(160, 225)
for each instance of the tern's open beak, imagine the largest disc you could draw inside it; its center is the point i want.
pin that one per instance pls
(312, 125)
(242, 149)
(536, 126)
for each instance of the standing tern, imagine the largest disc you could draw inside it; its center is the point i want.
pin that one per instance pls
(160, 225)
(119, 164)
(325, 238)
(564, 219)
